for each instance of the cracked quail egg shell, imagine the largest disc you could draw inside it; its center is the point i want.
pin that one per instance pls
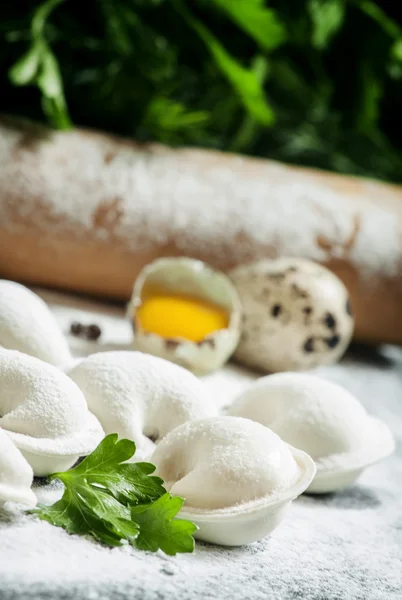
(186, 312)
(238, 478)
(296, 315)
(321, 418)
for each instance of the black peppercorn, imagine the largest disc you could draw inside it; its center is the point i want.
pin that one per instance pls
(89, 332)
(76, 328)
(93, 332)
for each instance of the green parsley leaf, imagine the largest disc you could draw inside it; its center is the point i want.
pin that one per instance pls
(128, 483)
(85, 512)
(116, 502)
(159, 529)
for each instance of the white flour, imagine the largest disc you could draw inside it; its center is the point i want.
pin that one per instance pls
(341, 547)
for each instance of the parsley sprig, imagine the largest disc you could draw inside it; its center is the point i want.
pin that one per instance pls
(118, 502)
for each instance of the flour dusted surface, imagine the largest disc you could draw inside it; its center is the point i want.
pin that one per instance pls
(341, 547)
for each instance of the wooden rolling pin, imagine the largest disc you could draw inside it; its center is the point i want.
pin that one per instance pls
(85, 211)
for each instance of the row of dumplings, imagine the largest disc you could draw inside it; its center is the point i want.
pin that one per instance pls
(286, 434)
(285, 314)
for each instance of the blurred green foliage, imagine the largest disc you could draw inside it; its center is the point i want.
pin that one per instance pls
(314, 82)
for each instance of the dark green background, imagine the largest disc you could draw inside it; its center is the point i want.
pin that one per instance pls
(304, 81)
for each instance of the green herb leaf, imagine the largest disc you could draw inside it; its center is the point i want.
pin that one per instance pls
(244, 81)
(249, 127)
(50, 84)
(26, 68)
(159, 529)
(39, 67)
(327, 17)
(131, 483)
(261, 23)
(372, 91)
(84, 511)
(396, 50)
(80, 512)
(375, 12)
(49, 80)
(41, 15)
(168, 119)
(142, 69)
(104, 498)
(117, 26)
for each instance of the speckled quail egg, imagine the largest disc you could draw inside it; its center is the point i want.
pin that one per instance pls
(186, 312)
(296, 315)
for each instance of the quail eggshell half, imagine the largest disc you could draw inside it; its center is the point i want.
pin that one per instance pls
(321, 418)
(296, 315)
(27, 325)
(16, 475)
(237, 477)
(189, 277)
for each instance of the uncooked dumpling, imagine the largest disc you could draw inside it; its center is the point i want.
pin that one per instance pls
(15, 474)
(27, 325)
(44, 413)
(238, 478)
(139, 396)
(220, 462)
(319, 417)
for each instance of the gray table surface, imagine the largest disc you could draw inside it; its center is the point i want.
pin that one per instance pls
(335, 547)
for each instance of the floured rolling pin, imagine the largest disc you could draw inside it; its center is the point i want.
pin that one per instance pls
(86, 211)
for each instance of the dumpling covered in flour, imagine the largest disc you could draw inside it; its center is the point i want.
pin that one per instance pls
(139, 396)
(44, 413)
(15, 474)
(27, 325)
(223, 461)
(323, 419)
(237, 477)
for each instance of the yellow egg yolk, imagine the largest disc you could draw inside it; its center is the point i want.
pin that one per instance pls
(173, 316)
